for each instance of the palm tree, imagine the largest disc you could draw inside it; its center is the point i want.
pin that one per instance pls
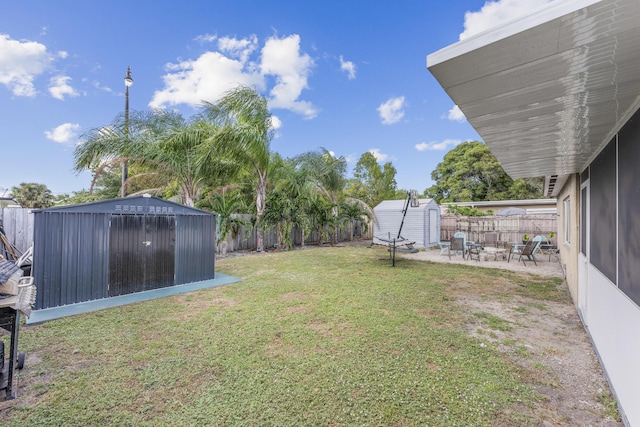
(165, 145)
(106, 147)
(32, 195)
(289, 196)
(353, 210)
(321, 217)
(177, 153)
(329, 175)
(245, 134)
(227, 208)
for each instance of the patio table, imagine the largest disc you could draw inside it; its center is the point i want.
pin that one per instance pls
(494, 252)
(549, 249)
(473, 249)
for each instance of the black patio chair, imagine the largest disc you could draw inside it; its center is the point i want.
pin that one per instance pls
(528, 250)
(457, 244)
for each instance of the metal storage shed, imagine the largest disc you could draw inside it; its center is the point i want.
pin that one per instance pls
(121, 246)
(421, 224)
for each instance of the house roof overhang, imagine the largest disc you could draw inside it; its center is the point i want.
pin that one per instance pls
(547, 91)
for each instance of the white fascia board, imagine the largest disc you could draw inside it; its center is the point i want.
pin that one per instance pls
(548, 13)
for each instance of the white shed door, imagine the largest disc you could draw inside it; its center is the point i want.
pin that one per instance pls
(433, 226)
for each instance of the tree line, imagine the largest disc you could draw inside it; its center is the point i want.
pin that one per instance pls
(221, 160)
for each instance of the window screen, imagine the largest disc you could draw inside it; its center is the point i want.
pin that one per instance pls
(602, 214)
(629, 202)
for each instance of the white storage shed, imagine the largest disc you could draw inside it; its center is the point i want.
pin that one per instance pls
(421, 224)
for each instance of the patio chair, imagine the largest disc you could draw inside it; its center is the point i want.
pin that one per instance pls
(526, 251)
(536, 242)
(457, 244)
(460, 234)
(444, 246)
(491, 239)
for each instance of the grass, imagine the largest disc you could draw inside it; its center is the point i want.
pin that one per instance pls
(494, 322)
(610, 404)
(327, 336)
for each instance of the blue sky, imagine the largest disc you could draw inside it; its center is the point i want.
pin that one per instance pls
(348, 76)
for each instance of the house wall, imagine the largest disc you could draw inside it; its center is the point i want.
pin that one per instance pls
(612, 322)
(569, 250)
(608, 269)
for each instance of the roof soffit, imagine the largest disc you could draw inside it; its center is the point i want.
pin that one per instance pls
(546, 98)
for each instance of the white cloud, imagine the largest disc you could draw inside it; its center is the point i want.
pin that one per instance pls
(494, 13)
(213, 73)
(59, 87)
(99, 86)
(204, 79)
(348, 67)
(62, 54)
(392, 111)
(281, 58)
(276, 122)
(206, 38)
(20, 63)
(238, 48)
(380, 157)
(63, 134)
(438, 146)
(456, 114)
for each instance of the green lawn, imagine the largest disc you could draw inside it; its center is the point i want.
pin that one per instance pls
(324, 336)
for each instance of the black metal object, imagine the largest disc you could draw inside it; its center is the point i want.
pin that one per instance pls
(9, 321)
(404, 214)
(399, 243)
(141, 253)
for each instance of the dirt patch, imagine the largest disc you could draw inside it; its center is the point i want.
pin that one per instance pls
(549, 343)
(545, 339)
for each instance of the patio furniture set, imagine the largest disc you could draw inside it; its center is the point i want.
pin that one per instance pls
(494, 249)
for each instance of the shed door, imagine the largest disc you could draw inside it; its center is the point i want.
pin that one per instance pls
(141, 253)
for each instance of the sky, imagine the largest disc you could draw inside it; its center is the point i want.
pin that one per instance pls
(348, 76)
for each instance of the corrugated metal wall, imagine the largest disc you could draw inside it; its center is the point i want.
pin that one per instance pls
(141, 253)
(195, 248)
(84, 253)
(70, 258)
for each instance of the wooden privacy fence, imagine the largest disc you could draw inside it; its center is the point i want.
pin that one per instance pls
(509, 228)
(247, 240)
(17, 224)
(18, 227)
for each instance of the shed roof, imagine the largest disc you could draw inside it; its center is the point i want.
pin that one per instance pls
(135, 205)
(500, 203)
(547, 91)
(399, 204)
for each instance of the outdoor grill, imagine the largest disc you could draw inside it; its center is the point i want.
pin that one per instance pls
(17, 296)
